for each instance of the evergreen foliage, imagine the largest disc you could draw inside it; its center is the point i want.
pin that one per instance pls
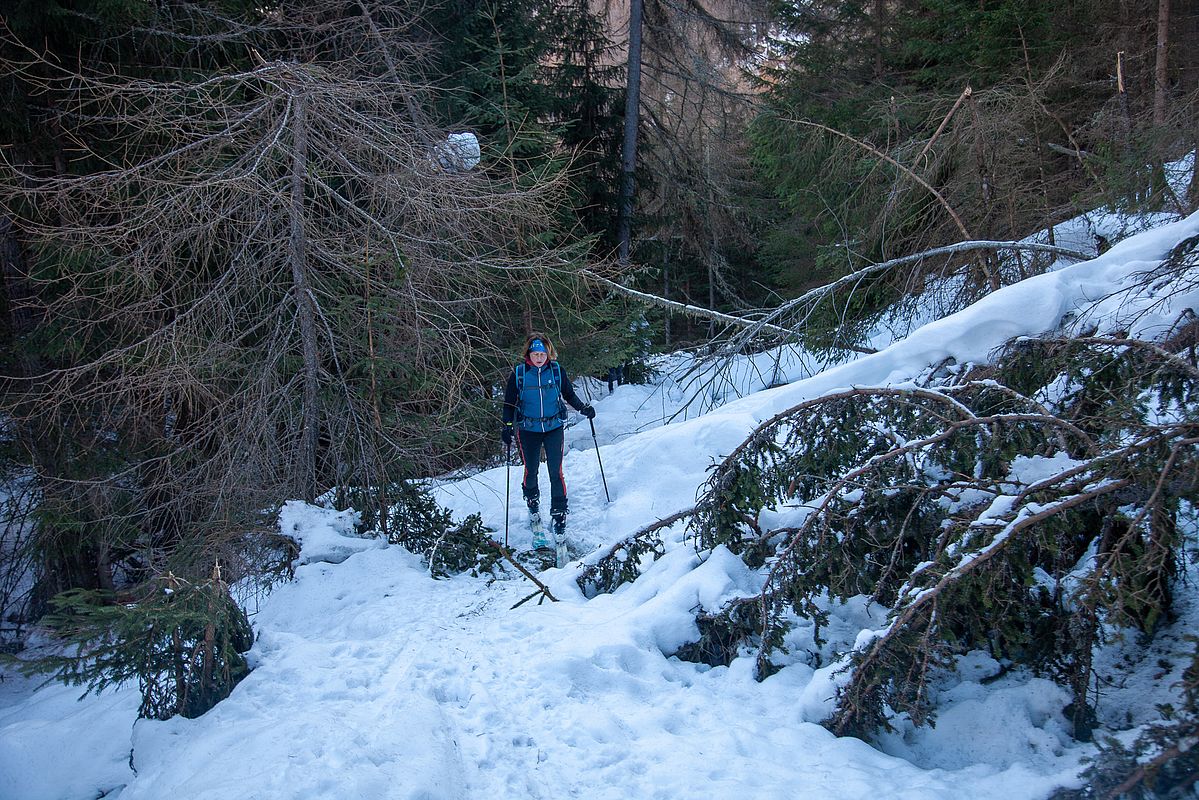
(182, 641)
(1027, 509)
(1009, 111)
(425, 528)
(254, 284)
(1163, 762)
(535, 81)
(223, 286)
(626, 560)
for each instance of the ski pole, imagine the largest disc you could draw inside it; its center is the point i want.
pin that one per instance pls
(600, 460)
(507, 490)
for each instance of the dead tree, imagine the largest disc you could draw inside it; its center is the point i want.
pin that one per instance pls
(272, 287)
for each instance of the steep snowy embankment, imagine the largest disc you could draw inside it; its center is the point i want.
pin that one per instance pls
(656, 473)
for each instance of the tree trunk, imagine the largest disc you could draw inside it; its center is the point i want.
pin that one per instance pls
(632, 105)
(377, 468)
(1190, 89)
(666, 290)
(980, 161)
(1193, 189)
(880, 10)
(711, 256)
(1125, 113)
(1160, 72)
(297, 255)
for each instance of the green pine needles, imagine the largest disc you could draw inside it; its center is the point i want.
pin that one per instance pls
(1028, 509)
(428, 530)
(182, 641)
(625, 561)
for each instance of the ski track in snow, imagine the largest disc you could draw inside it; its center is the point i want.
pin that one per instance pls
(442, 692)
(374, 681)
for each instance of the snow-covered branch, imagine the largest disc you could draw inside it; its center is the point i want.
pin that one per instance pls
(769, 322)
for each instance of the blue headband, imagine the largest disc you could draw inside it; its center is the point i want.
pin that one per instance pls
(537, 346)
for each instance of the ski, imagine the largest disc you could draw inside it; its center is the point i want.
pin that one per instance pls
(555, 552)
(537, 529)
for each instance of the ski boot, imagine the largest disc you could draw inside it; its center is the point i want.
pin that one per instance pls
(561, 556)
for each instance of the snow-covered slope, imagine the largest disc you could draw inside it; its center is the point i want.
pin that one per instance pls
(374, 681)
(656, 473)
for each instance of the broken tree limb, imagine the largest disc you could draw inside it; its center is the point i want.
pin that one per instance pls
(905, 170)
(541, 587)
(1068, 151)
(960, 247)
(682, 308)
(767, 325)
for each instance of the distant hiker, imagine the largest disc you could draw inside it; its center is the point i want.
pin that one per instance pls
(534, 409)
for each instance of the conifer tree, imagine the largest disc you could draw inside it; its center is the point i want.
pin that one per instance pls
(691, 223)
(896, 127)
(533, 80)
(265, 285)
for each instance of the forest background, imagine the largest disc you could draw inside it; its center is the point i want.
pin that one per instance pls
(241, 265)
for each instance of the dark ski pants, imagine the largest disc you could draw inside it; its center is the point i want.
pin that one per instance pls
(530, 444)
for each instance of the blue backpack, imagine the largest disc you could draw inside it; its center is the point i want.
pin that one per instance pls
(539, 406)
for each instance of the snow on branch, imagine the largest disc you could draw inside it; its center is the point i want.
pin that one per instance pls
(686, 308)
(767, 324)
(1009, 508)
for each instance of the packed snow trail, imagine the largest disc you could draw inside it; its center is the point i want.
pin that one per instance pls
(374, 681)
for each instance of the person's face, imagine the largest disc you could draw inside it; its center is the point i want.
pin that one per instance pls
(538, 358)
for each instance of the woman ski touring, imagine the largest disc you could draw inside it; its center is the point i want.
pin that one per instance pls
(535, 400)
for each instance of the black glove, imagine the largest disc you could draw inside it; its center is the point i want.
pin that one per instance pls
(588, 412)
(506, 434)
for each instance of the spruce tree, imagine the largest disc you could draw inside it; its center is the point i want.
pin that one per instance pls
(532, 80)
(895, 127)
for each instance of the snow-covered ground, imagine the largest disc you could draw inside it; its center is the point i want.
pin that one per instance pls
(372, 680)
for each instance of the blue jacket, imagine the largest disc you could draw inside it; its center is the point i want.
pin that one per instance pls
(535, 401)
